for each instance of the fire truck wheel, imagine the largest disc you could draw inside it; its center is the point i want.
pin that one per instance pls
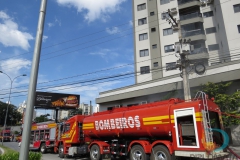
(43, 148)
(160, 152)
(138, 153)
(95, 153)
(60, 151)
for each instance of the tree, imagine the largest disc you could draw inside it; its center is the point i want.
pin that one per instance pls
(42, 118)
(228, 103)
(74, 112)
(13, 115)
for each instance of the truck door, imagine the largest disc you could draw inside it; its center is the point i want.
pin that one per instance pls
(185, 128)
(32, 138)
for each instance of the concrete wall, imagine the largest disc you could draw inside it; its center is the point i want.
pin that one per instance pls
(235, 135)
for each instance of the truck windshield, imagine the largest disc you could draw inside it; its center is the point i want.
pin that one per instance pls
(66, 128)
(6, 134)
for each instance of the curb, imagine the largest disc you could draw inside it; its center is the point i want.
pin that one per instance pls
(1, 151)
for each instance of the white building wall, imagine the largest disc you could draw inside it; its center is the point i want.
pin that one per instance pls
(227, 35)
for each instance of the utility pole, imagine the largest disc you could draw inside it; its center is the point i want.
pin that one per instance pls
(24, 150)
(183, 48)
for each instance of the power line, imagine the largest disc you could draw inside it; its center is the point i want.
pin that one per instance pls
(104, 31)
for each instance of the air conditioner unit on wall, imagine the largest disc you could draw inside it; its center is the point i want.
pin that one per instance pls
(173, 10)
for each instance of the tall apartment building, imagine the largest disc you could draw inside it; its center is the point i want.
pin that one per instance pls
(213, 26)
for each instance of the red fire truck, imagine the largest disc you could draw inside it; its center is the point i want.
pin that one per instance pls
(5, 135)
(43, 136)
(159, 130)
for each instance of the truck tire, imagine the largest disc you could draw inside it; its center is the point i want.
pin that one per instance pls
(43, 148)
(160, 152)
(95, 153)
(61, 151)
(138, 153)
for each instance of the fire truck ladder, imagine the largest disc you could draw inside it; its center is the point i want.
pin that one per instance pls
(206, 119)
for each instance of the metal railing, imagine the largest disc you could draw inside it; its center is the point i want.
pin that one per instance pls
(185, 1)
(192, 33)
(189, 16)
(199, 50)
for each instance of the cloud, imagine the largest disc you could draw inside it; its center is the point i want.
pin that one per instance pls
(131, 23)
(50, 24)
(45, 38)
(114, 30)
(55, 22)
(11, 35)
(93, 9)
(106, 54)
(13, 66)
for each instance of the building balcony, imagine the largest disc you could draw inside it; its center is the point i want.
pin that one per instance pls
(187, 3)
(199, 53)
(191, 18)
(194, 35)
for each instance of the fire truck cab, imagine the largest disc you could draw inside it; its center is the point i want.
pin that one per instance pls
(43, 136)
(5, 135)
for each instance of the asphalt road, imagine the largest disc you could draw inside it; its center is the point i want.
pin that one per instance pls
(48, 156)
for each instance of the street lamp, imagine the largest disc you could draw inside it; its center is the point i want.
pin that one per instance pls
(4, 127)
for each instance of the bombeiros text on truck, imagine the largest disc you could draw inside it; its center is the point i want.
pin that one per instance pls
(158, 130)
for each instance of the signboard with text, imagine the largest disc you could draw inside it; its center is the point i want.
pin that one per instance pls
(50, 100)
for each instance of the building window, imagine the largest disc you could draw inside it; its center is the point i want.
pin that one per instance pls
(211, 30)
(238, 28)
(154, 46)
(141, 7)
(142, 21)
(153, 29)
(165, 15)
(155, 64)
(145, 70)
(213, 47)
(208, 14)
(236, 8)
(171, 66)
(169, 48)
(144, 53)
(164, 1)
(152, 13)
(143, 36)
(167, 31)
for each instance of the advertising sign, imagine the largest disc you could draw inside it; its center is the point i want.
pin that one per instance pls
(49, 100)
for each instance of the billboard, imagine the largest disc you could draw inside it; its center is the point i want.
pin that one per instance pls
(50, 100)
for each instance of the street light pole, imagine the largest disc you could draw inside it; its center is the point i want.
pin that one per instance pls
(4, 127)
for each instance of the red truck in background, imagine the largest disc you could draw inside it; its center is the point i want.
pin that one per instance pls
(158, 130)
(43, 136)
(5, 134)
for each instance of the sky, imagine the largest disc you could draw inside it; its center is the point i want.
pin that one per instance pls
(86, 45)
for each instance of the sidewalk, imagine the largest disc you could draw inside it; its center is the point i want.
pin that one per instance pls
(1, 151)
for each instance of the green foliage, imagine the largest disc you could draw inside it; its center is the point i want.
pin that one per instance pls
(15, 156)
(13, 115)
(16, 132)
(42, 118)
(228, 103)
(74, 112)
